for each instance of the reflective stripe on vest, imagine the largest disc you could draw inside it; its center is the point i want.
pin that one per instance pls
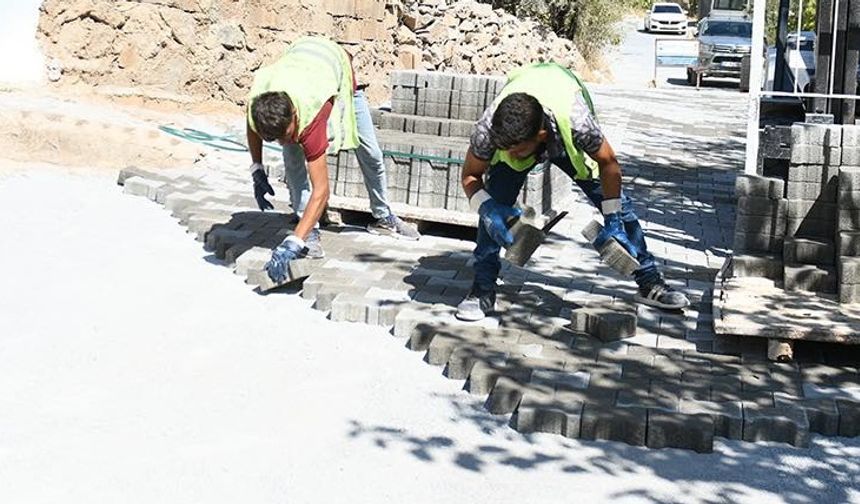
(311, 72)
(556, 88)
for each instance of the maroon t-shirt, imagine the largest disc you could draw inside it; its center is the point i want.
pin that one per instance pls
(314, 139)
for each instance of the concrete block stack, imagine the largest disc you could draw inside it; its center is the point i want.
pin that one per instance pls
(808, 254)
(848, 223)
(425, 137)
(761, 215)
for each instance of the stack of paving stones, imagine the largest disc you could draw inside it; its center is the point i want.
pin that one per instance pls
(425, 136)
(543, 358)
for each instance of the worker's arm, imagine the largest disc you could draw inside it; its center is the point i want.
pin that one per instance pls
(494, 216)
(473, 173)
(318, 175)
(255, 144)
(610, 170)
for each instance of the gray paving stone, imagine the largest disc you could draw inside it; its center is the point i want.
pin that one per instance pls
(549, 411)
(815, 134)
(757, 265)
(849, 293)
(812, 191)
(850, 156)
(254, 258)
(808, 251)
(505, 397)
(727, 416)
(815, 210)
(679, 430)
(849, 270)
(849, 417)
(627, 425)
(808, 154)
(848, 220)
(485, 374)
(848, 243)
(762, 206)
(761, 224)
(785, 424)
(849, 179)
(756, 242)
(607, 323)
(823, 414)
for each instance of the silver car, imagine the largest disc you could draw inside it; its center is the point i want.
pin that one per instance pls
(723, 42)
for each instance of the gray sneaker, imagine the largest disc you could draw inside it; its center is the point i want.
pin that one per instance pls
(313, 246)
(393, 226)
(476, 306)
(662, 296)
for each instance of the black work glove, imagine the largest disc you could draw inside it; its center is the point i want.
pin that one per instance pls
(261, 187)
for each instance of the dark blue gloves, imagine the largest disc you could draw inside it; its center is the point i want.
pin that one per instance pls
(495, 217)
(278, 266)
(613, 227)
(261, 187)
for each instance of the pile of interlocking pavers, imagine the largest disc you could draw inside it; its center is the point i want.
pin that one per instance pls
(425, 136)
(800, 228)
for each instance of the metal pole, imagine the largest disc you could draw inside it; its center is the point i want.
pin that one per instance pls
(756, 64)
(779, 73)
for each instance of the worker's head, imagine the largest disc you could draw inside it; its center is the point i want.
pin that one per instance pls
(518, 125)
(275, 117)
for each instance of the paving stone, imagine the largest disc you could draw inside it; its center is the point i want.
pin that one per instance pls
(679, 430)
(810, 228)
(347, 307)
(627, 425)
(849, 417)
(298, 269)
(807, 154)
(815, 210)
(785, 424)
(327, 293)
(808, 251)
(505, 397)
(849, 179)
(850, 136)
(555, 412)
(812, 191)
(823, 414)
(757, 265)
(755, 242)
(850, 156)
(727, 416)
(848, 220)
(485, 374)
(139, 186)
(762, 206)
(607, 323)
(815, 134)
(254, 258)
(761, 224)
(848, 243)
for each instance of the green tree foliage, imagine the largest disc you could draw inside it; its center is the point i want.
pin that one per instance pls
(592, 24)
(807, 19)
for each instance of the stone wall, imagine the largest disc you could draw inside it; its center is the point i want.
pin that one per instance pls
(208, 49)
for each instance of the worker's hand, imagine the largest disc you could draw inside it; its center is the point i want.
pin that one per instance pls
(278, 266)
(613, 227)
(495, 217)
(261, 187)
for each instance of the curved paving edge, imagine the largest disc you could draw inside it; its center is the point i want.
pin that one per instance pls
(527, 361)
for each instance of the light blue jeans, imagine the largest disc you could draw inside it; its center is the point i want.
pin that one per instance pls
(369, 156)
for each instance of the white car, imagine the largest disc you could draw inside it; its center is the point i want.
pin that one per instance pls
(666, 17)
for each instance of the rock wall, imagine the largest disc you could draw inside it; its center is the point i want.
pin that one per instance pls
(208, 49)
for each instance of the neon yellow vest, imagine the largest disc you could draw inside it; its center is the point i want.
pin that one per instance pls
(556, 88)
(311, 72)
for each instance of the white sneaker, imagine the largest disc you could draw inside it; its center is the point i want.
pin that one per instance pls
(662, 296)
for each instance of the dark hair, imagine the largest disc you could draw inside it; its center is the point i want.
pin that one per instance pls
(272, 112)
(518, 117)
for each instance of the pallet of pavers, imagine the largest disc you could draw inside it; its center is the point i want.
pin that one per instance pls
(424, 138)
(795, 273)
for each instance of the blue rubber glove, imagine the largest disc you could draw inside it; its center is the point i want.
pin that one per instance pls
(495, 217)
(278, 265)
(261, 187)
(613, 227)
